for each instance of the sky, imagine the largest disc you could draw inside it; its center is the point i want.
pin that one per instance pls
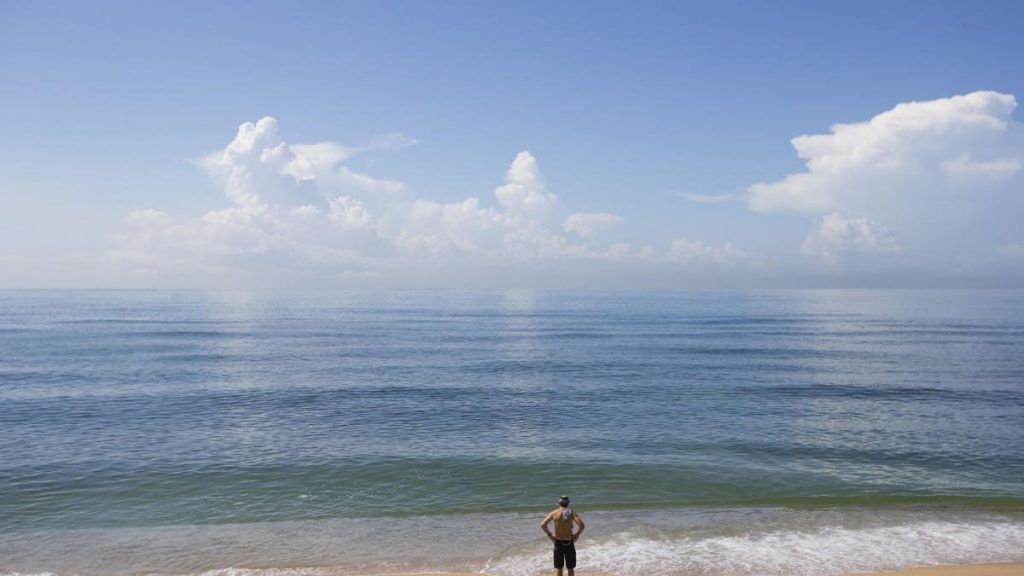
(466, 144)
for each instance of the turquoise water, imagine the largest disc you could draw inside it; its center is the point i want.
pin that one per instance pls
(183, 432)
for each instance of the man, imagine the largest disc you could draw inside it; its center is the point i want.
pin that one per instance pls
(564, 538)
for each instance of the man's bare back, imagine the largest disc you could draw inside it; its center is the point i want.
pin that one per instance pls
(565, 536)
(563, 529)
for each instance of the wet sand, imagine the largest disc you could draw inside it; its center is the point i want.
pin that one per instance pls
(1011, 569)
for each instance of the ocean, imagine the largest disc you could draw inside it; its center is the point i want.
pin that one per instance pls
(738, 433)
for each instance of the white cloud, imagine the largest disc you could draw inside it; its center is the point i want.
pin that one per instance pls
(696, 255)
(320, 162)
(250, 165)
(313, 159)
(963, 170)
(524, 192)
(272, 247)
(518, 228)
(285, 213)
(259, 169)
(436, 229)
(912, 140)
(349, 213)
(588, 224)
(617, 251)
(305, 211)
(943, 175)
(298, 214)
(905, 140)
(836, 236)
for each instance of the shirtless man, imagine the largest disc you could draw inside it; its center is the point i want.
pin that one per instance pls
(564, 538)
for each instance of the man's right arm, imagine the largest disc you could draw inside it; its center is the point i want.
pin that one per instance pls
(579, 522)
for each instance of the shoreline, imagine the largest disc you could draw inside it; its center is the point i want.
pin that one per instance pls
(677, 542)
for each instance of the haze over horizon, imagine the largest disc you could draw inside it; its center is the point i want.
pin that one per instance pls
(464, 145)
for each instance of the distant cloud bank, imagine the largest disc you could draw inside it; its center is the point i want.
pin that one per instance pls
(297, 212)
(931, 187)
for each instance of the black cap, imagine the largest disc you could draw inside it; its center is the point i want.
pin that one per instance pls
(563, 499)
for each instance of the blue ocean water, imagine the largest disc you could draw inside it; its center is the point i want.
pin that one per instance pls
(789, 432)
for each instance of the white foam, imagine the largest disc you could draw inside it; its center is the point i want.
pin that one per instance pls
(669, 542)
(818, 552)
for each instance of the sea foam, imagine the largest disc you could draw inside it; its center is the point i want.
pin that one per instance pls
(817, 552)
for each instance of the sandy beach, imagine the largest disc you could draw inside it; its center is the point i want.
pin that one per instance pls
(1010, 569)
(1007, 569)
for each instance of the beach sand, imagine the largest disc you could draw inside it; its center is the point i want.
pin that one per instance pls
(1012, 569)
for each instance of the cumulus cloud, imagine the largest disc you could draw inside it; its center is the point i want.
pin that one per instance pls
(836, 236)
(942, 175)
(438, 229)
(697, 253)
(912, 140)
(285, 213)
(347, 213)
(249, 167)
(320, 163)
(524, 192)
(963, 170)
(258, 168)
(588, 224)
(297, 212)
(520, 227)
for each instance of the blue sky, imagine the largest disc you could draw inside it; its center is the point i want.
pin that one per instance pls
(653, 122)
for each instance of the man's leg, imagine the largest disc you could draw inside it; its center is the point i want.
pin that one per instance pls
(570, 557)
(560, 559)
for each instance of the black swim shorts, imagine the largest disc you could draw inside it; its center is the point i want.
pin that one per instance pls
(565, 554)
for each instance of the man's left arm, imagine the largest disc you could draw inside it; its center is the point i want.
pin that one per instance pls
(544, 527)
(579, 522)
